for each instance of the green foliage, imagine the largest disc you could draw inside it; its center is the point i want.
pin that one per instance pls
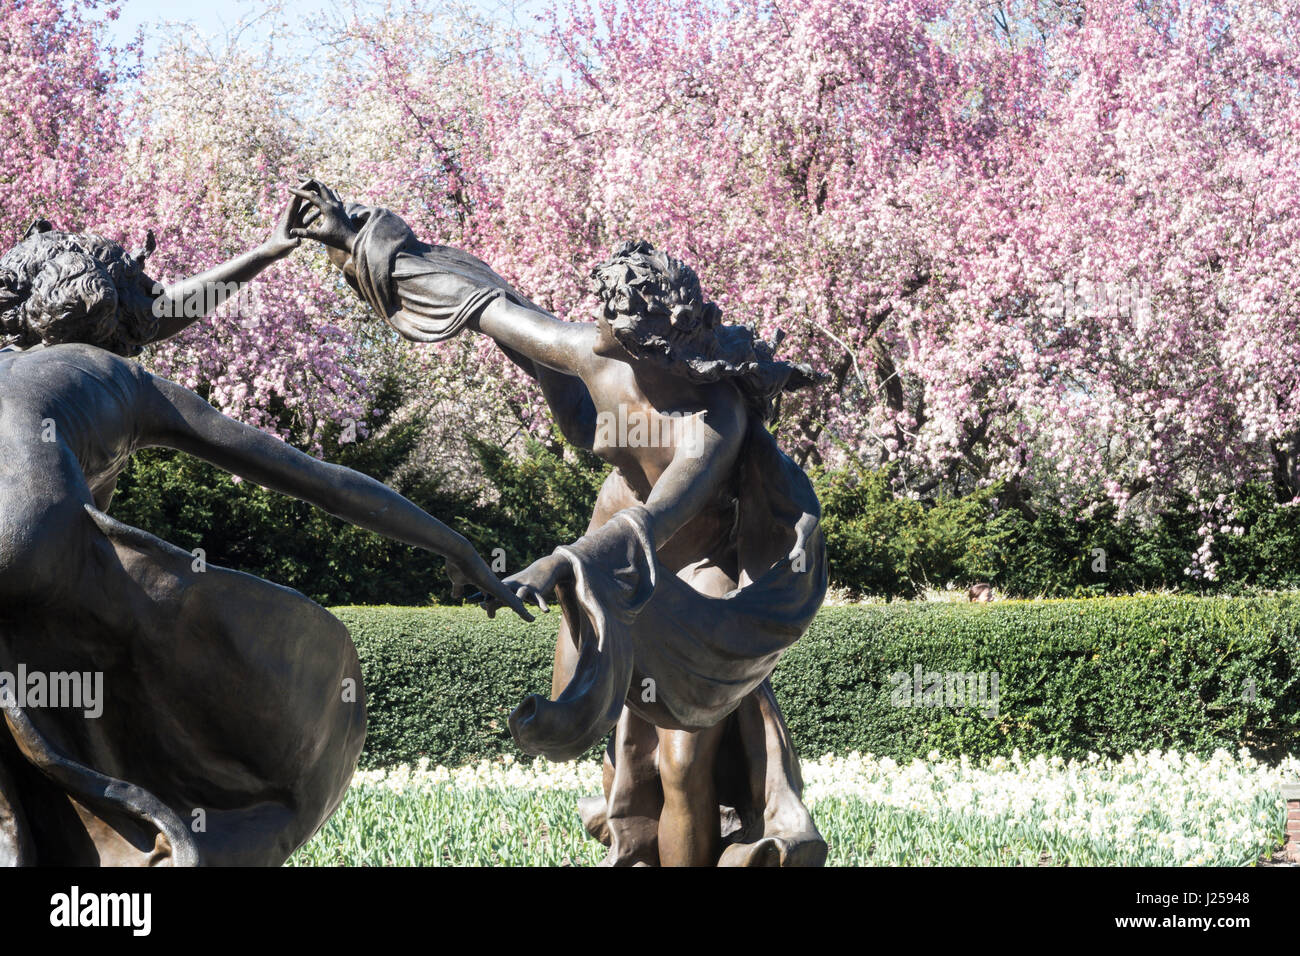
(242, 526)
(544, 499)
(1056, 555)
(881, 544)
(442, 682)
(1267, 554)
(1109, 676)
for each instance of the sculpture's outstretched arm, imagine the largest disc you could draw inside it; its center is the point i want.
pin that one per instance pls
(563, 346)
(178, 418)
(182, 304)
(524, 329)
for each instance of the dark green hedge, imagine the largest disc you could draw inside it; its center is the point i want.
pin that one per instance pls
(880, 543)
(1108, 675)
(441, 682)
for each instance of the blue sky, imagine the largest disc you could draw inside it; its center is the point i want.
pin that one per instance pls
(211, 16)
(216, 17)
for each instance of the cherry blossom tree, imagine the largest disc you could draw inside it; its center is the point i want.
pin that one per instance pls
(60, 112)
(196, 146)
(1049, 244)
(1046, 244)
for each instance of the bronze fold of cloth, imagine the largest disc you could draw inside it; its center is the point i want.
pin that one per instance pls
(453, 286)
(197, 755)
(654, 652)
(678, 658)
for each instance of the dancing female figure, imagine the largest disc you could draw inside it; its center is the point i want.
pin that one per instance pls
(704, 558)
(218, 717)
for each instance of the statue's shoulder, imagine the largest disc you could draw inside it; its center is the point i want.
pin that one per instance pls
(75, 362)
(81, 353)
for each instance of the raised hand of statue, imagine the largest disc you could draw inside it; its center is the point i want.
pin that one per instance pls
(323, 217)
(532, 584)
(281, 242)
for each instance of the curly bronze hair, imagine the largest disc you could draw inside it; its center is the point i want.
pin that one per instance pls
(58, 288)
(658, 313)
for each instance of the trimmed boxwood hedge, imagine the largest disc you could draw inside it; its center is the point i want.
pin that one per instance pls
(1108, 675)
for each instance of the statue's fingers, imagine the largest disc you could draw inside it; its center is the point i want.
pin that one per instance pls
(312, 198)
(527, 592)
(517, 606)
(514, 601)
(310, 216)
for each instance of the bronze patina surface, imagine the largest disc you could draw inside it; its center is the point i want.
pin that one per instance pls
(229, 711)
(703, 561)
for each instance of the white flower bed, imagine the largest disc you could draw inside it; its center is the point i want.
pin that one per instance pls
(503, 773)
(1182, 804)
(1184, 809)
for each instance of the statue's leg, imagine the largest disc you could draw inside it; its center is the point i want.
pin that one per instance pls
(626, 816)
(634, 798)
(690, 827)
(690, 830)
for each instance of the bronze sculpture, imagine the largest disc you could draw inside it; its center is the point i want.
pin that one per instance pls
(704, 558)
(234, 711)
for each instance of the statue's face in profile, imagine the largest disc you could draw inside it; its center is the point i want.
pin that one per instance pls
(606, 344)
